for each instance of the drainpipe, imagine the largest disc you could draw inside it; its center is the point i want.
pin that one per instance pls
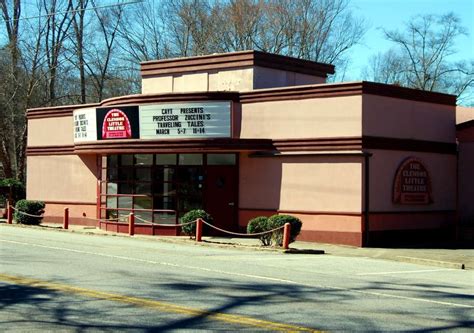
(366, 241)
(457, 221)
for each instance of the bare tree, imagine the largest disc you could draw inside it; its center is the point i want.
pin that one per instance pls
(59, 20)
(318, 30)
(11, 88)
(190, 25)
(143, 33)
(78, 25)
(102, 54)
(388, 68)
(426, 46)
(238, 24)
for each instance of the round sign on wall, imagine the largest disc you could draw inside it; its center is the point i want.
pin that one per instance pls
(116, 125)
(412, 184)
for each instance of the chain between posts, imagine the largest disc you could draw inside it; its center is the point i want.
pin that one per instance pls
(241, 234)
(131, 219)
(164, 225)
(24, 213)
(212, 226)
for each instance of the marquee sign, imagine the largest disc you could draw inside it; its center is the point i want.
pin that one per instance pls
(412, 184)
(154, 121)
(191, 120)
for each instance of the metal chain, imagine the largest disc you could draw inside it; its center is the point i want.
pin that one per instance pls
(24, 213)
(100, 220)
(240, 234)
(165, 225)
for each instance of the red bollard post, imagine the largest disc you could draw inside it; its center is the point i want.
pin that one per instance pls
(286, 236)
(198, 230)
(9, 213)
(131, 224)
(66, 218)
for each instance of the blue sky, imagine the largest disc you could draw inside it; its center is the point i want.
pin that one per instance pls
(392, 14)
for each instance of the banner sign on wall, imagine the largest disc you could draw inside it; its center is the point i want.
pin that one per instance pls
(190, 120)
(155, 121)
(412, 184)
(85, 125)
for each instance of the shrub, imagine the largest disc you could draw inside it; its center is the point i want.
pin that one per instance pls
(276, 221)
(17, 188)
(260, 224)
(193, 215)
(29, 207)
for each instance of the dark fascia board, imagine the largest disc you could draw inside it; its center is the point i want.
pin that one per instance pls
(172, 97)
(464, 125)
(345, 89)
(390, 90)
(56, 111)
(233, 60)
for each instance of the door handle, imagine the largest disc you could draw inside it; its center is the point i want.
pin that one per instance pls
(231, 204)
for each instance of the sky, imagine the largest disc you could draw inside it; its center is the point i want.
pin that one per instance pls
(392, 14)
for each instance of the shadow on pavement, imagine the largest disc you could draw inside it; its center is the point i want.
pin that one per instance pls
(47, 309)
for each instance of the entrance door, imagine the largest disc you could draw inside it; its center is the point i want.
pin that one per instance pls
(221, 196)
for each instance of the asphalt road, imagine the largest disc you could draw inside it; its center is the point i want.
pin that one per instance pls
(57, 281)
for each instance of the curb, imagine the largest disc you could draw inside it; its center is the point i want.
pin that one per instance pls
(303, 251)
(431, 262)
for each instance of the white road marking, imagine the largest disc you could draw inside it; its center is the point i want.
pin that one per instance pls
(409, 272)
(251, 276)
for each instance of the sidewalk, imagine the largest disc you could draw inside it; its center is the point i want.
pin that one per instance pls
(439, 257)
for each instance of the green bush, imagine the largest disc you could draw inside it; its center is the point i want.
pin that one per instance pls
(260, 224)
(30, 207)
(193, 215)
(276, 221)
(17, 187)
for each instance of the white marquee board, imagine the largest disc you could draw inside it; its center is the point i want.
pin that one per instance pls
(185, 120)
(85, 125)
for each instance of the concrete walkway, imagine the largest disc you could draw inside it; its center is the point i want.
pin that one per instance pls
(449, 258)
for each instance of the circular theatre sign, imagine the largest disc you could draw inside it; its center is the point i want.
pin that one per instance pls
(412, 184)
(116, 125)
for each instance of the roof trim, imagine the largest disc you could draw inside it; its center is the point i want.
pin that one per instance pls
(231, 60)
(345, 89)
(464, 125)
(55, 111)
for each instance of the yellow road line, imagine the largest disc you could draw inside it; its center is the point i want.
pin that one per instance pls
(157, 305)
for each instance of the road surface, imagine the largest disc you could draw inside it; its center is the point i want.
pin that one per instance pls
(60, 281)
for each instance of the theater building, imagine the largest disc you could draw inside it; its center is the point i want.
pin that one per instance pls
(247, 134)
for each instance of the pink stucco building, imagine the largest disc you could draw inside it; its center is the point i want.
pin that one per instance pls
(247, 134)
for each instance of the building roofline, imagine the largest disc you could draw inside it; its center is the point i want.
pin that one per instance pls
(231, 60)
(464, 125)
(345, 89)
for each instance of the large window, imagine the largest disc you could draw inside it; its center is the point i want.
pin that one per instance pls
(157, 188)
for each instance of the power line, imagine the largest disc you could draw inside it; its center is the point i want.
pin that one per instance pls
(77, 10)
